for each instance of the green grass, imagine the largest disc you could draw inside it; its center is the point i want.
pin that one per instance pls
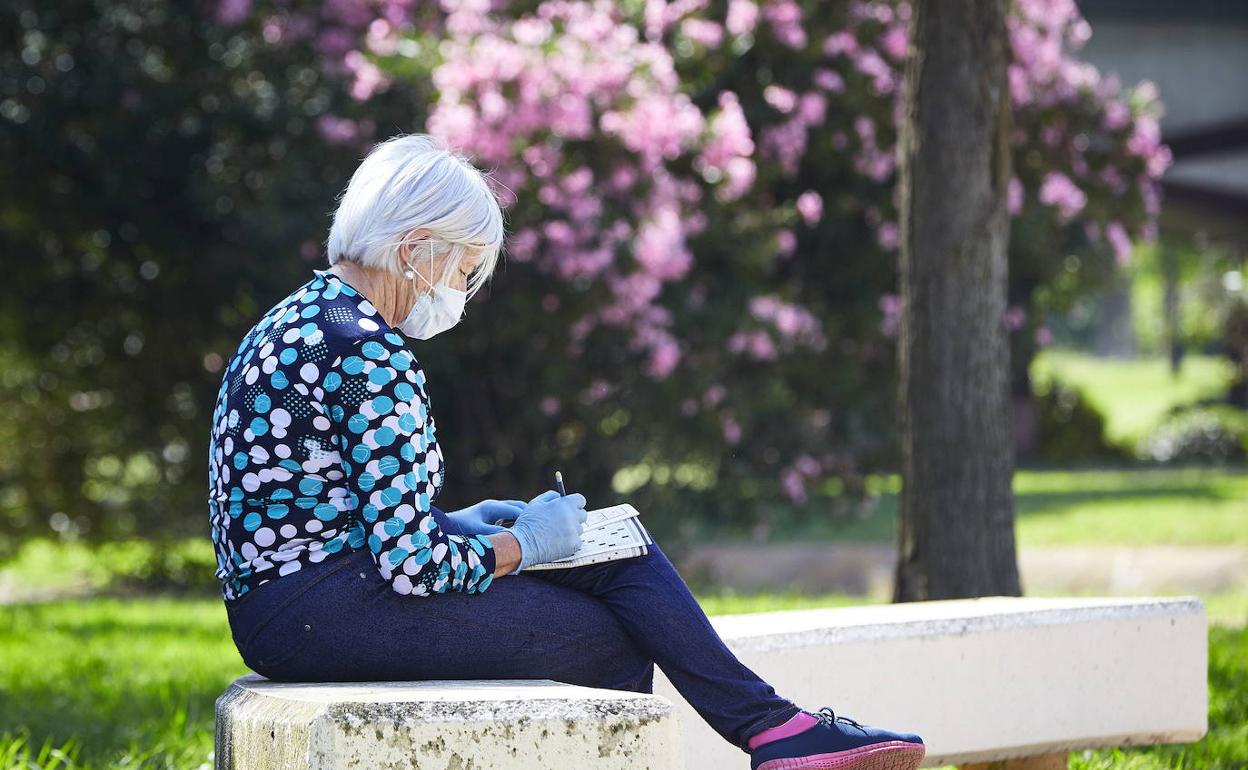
(1194, 506)
(116, 683)
(1163, 506)
(1134, 394)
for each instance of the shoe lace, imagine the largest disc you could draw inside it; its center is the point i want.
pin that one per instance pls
(830, 717)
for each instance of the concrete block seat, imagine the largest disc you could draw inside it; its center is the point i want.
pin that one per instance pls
(527, 724)
(1016, 680)
(1020, 679)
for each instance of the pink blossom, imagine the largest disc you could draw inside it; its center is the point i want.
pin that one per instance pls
(807, 465)
(597, 390)
(785, 18)
(1117, 115)
(783, 99)
(702, 31)
(664, 356)
(742, 16)
(1014, 317)
(810, 206)
(550, 405)
(895, 42)
(337, 130)
(829, 80)
(786, 143)
(1057, 190)
(731, 429)
(840, 42)
(381, 38)
(812, 106)
(1043, 336)
(890, 306)
(794, 487)
(367, 77)
(232, 11)
(888, 235)
(786, 242)
(1116, 234)
(714, 394)
(756, 344)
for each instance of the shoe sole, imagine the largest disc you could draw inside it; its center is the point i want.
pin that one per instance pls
(888, 755)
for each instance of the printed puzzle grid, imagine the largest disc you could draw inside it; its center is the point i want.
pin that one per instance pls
(608, 534)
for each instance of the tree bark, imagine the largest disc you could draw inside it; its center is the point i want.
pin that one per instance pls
(957, 455)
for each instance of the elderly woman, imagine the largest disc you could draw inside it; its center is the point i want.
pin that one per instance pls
(336, 566)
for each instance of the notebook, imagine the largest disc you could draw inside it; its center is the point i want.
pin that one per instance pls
(607, 534)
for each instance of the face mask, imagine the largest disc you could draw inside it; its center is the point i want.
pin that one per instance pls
(435, 311)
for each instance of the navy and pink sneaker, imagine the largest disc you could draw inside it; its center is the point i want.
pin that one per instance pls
(826, 741)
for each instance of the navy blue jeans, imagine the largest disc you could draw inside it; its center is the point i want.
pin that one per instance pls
(600, 625)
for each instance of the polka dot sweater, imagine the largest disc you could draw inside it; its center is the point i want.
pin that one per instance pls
(323, 443)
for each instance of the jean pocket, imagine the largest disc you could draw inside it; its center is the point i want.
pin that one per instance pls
(280, 638)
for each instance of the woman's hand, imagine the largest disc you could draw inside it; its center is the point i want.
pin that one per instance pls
(480, 518)
(549, 527)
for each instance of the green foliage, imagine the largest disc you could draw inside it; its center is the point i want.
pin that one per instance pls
(167, 183)
(164, 184)
(1203, 301)
(1216, 433)
(1068, 427)
(1134, 394)
(123, 566)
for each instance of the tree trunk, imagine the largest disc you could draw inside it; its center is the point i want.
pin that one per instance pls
(1170, 303)
(957, 505)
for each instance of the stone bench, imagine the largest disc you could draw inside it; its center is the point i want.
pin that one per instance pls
(527, 724)
(996, 678)
(1024, 680)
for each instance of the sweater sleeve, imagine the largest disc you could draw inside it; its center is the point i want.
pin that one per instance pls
(375, 396)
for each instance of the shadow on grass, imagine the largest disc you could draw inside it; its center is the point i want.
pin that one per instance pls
(1041, 503)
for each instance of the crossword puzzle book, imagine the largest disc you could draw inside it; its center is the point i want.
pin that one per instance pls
(608, 534)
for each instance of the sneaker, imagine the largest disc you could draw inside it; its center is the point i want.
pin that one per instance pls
(840, 743)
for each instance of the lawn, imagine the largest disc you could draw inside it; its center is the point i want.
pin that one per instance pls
(1155, 506)
(120, 683)
(1134, 394)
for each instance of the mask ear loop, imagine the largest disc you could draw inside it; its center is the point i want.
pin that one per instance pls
(412, 272)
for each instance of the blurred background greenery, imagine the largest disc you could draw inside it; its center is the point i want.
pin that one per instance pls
(169, 173)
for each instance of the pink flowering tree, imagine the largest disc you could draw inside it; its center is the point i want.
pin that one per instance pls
(700, 285)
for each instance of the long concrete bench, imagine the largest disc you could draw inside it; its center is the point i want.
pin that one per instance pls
(995, 678)
(1024, 680)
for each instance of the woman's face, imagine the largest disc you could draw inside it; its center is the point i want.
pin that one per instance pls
(471, 261)
(459, 279)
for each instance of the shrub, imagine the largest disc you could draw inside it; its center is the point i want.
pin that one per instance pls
(1068, 427)
(1205, 433)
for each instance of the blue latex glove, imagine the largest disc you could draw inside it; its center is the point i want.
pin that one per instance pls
(480, 518)
(549, 527)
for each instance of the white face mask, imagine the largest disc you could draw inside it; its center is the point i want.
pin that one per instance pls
(435, 311)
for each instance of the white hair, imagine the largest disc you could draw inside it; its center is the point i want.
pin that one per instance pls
(413, 181)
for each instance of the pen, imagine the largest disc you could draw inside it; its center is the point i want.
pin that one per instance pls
(559, 483)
